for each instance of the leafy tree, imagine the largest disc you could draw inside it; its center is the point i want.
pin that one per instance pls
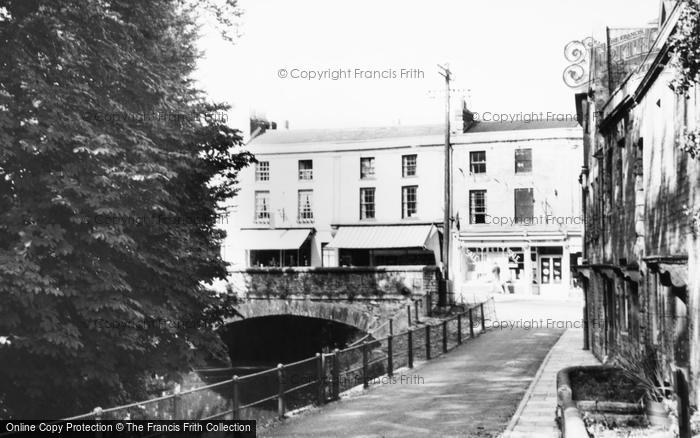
(685, 58)
(112, 168)
(685, 48)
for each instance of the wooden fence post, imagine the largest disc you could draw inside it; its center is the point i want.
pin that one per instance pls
(444, 336)
(410, 348)
(336, 374)
(483, 321)
(365, 365)
(427, 342)
(471, 323)
(177, 404)
(280, 391)
(390, 351)
(97, 413)
(320, 377)
(459, 329)
(235, 399)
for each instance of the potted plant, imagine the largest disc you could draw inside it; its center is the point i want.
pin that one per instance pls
(644, 368)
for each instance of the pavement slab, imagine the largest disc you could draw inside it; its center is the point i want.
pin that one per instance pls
(536, 414)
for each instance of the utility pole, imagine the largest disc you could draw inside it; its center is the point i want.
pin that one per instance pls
(447, 74)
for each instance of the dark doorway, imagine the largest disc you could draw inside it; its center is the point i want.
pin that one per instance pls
(610, 312)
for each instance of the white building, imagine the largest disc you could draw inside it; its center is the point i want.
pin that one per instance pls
(340, 197)
(517, 205)
(368, 197)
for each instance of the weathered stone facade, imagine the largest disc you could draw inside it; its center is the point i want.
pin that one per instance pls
(363, 297)
(345, 283)
(640, 253)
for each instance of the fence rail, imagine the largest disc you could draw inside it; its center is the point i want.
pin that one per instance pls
(315, 380)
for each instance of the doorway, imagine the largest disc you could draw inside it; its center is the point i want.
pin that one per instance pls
(610, 312)
(550, 270)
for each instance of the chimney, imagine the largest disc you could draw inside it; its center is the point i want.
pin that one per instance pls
(461, 118)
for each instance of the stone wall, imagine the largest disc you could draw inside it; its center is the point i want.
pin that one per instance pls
(367, 316)
(339, 283)
(637, 184)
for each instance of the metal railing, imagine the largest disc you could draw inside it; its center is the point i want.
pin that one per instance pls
(315, 380)
(415, 308)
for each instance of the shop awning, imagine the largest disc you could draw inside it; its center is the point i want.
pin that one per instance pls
(274, 239)
(385, 236)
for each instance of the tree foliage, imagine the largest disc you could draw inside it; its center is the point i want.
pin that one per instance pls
(685, 48)
(112, 167)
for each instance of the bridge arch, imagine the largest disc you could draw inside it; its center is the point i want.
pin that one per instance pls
(363, 317)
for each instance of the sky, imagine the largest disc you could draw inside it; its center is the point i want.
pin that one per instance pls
(506, 56)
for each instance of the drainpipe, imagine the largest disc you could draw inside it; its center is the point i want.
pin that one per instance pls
(586, 340)
(584, 258)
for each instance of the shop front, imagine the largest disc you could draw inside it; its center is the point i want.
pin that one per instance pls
(539, 265)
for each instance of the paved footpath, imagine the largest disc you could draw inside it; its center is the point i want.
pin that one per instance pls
(535, 415)
(472, 391)
(501, 383)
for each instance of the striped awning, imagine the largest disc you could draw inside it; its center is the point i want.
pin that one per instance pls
(385, 236)
(273, 239)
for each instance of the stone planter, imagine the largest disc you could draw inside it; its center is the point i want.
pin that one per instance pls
(572, 425)
(657, 414)
(570, 410)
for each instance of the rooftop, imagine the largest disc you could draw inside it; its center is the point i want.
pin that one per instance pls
(521, 125)
(355, 135)
(342, 135)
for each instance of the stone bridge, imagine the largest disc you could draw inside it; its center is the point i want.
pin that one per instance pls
(361, 297)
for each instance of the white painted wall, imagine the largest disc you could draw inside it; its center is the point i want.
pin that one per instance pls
(336, 186)
(557, 160)
(556, 164)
